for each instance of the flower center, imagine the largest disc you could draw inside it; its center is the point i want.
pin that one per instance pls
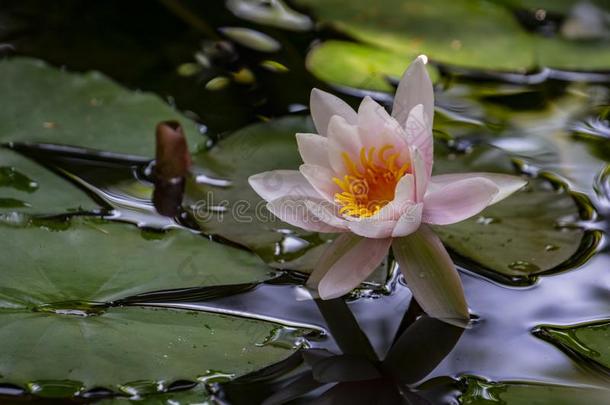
(368, 187)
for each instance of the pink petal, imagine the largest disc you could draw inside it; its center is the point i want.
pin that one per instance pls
(297, 212)
(347, 262)
(506, 183)
(419, 135)
(377, 128)
(321, 179)
(327, 212)
(431, 276)
(280, 183)
(324, 105)
(409, 221)
(332, 253)
(455, 202)
(342, 138)
(371, 228)
(313, 149)
(414, 88)
(418, 167)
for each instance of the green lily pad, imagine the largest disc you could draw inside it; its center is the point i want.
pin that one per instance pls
(492, 38)
(112, 261)
(131, 349)
(230, 207)
(521, 237)
(588, 341)
(481, 392)
(398, 30)
(195, 396)
(60, 320)
(45, 104)
(40, 191)
(368, 67)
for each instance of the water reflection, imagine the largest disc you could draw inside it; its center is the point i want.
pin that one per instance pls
(355, 374)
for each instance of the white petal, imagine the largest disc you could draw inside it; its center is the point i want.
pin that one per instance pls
(321, 179)
(419, 135)
(431, 276)
(342, 138)
(371, 228)
(506, 183)
(327, 212)
(280, 183)
(414, 88)
(376, 228)
(324, 105)
(295, 211)
(455, 202)
(348, 261)
(418, 167)
(377, 128)
(332, 253)
(409, 221)
(313, 149)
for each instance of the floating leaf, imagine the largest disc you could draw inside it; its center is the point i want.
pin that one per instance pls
(368, 67)
(517, 239)
(120, 182)
(274, 13)
(131, 349)
(59, 321)
(41, 191)
(112, 261)
(251, 39)
(493, 39)
(194, 396)
(589, 341)
(223, 203)
(481, 392)
(44, 104)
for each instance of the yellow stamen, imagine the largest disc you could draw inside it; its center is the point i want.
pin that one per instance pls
(368, 185)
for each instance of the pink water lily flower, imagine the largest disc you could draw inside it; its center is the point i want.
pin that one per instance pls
(367, 175)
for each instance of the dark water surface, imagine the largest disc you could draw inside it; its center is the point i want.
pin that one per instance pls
(542, 120)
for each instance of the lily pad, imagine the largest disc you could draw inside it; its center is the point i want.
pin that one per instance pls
(222, 202)
(528, 234)
(112, 261)
(588, 341)
(492, 39)
(131, 349)
(40, 191)
(481, 392)
(369, 67)
(194, 396)
(60, 319)
(45, 104)
(228, 206)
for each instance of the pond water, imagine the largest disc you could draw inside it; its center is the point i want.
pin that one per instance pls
(105, 300)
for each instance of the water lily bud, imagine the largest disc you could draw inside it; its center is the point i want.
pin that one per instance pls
(173, 163)
(172, 155)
